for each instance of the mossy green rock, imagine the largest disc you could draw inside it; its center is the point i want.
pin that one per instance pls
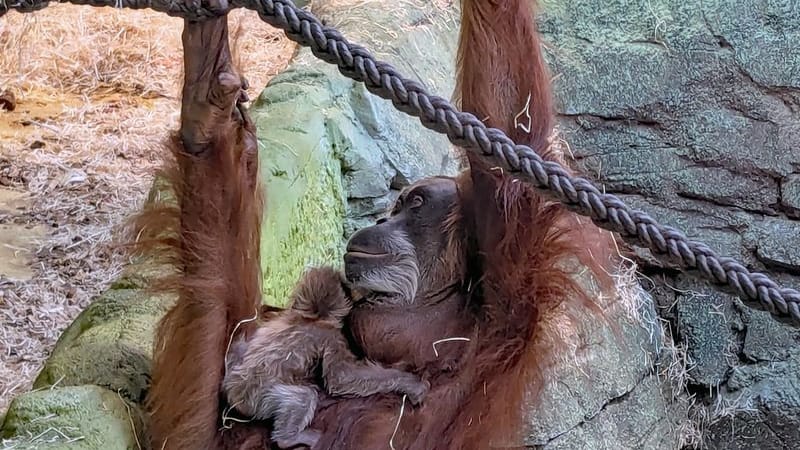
(109, 344)
(71, 418)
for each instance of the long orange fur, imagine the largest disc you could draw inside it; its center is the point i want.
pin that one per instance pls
(206, 233)
(522, 237)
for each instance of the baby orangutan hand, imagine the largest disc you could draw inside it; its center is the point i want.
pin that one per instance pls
(416, 390)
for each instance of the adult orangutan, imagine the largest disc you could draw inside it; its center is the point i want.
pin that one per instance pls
(477, 257)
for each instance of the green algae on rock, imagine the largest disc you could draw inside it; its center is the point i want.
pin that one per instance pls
(109, 344)
(302, 179)
(71, 418)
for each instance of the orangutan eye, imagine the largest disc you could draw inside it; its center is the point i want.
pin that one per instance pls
(416, 202)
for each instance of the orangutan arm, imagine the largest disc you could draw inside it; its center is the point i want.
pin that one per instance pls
(213, 235)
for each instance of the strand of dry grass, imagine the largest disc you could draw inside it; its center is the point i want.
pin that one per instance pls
(97, 94)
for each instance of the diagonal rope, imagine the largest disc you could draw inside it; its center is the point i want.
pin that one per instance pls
(464, 130)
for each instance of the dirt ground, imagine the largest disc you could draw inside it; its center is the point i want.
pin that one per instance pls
(96, 94)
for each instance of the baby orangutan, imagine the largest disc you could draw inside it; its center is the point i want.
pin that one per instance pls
(272, 374)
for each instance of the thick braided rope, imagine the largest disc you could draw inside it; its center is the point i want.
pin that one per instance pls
(465, 130)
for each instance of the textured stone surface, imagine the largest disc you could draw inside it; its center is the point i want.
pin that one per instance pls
(304, 192)
(605, 390)
(661, 103)
(71, 418)
(779, 244)
(790, 195)
(689, 110)
(761, 402)
(708, 324)
(640, 418)
(377, 140)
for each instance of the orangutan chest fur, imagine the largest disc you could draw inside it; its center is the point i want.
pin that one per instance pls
(419, 340)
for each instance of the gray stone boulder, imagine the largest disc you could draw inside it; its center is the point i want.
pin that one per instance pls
(689, 111)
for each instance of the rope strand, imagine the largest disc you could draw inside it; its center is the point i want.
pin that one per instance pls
(463, 129)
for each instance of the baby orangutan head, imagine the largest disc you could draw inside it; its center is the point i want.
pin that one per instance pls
(413, 249)
(321, 296)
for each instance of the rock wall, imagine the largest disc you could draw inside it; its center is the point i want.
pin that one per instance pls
(610, 389)
(690, 111)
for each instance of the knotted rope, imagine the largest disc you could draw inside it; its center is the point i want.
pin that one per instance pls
(463, 129)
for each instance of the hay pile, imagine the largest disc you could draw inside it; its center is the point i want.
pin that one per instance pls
(97, 92)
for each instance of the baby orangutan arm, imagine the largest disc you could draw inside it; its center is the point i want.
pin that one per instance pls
(344, 375)
(320, 299)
